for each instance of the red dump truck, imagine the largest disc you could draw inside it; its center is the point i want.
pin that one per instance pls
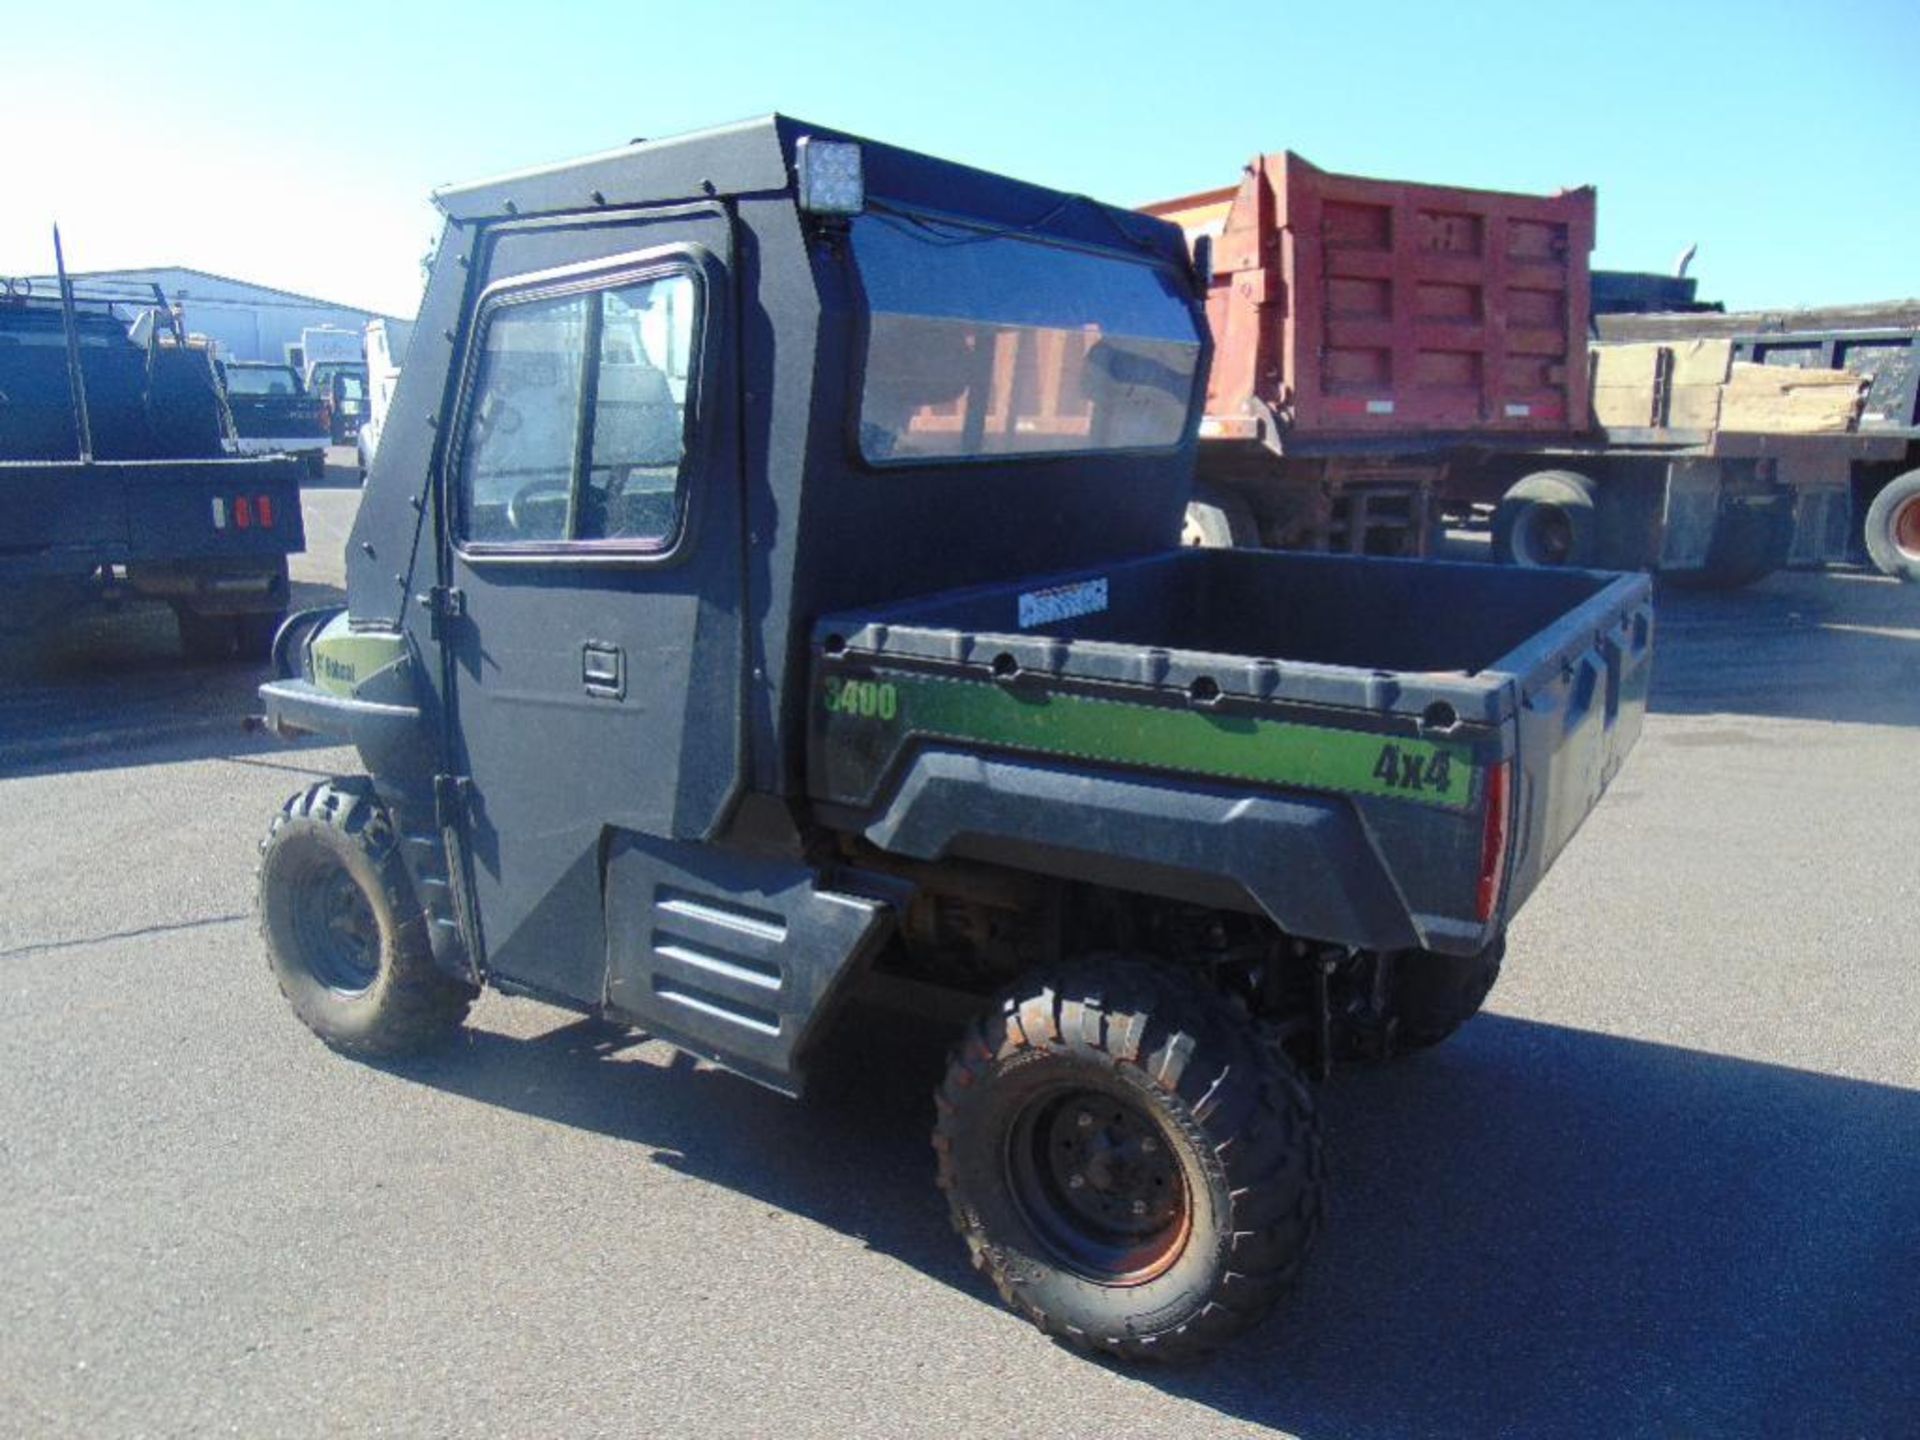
(1386, 352)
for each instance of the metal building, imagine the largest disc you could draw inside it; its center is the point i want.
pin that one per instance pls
(247, 321)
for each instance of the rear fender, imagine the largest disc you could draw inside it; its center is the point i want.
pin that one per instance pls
(1311, 862)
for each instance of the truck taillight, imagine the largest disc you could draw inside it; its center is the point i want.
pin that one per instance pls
(242, 512)
(263, 507)
(1493, 839)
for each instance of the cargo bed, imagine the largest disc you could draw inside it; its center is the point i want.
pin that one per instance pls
(1408, 702)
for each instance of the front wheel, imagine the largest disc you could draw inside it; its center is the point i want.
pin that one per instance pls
(345, 937)
(1130, 1162)
(1893, 528)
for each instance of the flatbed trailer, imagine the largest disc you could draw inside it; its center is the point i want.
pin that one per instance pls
(1390, 352)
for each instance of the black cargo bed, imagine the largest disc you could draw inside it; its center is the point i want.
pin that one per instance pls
(1381, 635)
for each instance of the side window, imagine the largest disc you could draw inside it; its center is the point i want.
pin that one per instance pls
(576, 427)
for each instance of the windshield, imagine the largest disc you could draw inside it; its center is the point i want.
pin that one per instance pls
(262, 380)
(990, 344)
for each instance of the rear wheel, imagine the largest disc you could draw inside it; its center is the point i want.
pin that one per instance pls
(1219, 520)
(1547, 520)
(1893, 528)
(345, 937)
(1136, 1169)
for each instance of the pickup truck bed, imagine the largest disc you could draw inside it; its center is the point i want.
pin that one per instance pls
(1401, 748)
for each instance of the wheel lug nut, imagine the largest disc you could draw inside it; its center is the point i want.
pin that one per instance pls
(1076, 1180)
(1139, 1207)
(1086, 1119)
(1148, 1145)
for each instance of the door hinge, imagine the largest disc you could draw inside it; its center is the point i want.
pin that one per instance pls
(443, 602)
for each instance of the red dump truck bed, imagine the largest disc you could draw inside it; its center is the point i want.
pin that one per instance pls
(1354, 307)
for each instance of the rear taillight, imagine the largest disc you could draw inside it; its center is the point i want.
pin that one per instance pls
(1493, 839)
(263, 507)
(242, 512)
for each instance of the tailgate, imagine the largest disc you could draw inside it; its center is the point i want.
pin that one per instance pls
(277, 417)
(1582, 687)
(62, 516)
(211, 509)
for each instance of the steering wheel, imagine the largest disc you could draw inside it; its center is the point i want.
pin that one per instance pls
(496, 415)
(547, 485)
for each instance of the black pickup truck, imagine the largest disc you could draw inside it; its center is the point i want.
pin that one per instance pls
(117, 478)
(767, 593)
(273, 414)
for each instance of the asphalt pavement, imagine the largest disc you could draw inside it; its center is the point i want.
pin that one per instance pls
(1668, 1185)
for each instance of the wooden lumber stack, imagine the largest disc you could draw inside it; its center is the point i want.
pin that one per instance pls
(1696, 385)
(1780, 400)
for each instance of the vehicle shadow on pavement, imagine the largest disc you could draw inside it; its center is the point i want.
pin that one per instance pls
(1837, 645)
(1534, 1231)
(112, 689)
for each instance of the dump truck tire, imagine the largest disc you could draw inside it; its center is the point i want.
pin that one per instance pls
(1893, 528)
(1131, 1162)
(1432, 996)
(1547, 520)
(345, 937)
(1219, 520)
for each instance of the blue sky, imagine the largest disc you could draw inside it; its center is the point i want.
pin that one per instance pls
(296, 144)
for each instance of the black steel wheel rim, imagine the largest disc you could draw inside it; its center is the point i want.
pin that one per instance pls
(1098, 1179)
(335, 927)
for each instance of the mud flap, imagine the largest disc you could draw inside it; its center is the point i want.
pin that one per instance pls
(736, 958)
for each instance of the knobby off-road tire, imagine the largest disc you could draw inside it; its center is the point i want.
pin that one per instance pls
(345, 937)
(1131, 1163)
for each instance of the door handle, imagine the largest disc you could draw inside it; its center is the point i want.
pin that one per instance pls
(603, 669)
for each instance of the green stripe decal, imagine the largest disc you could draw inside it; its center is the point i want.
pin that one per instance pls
(868, 717)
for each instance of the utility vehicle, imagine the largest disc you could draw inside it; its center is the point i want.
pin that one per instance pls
(769, 583)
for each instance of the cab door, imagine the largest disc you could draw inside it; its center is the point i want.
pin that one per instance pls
(591, 615)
